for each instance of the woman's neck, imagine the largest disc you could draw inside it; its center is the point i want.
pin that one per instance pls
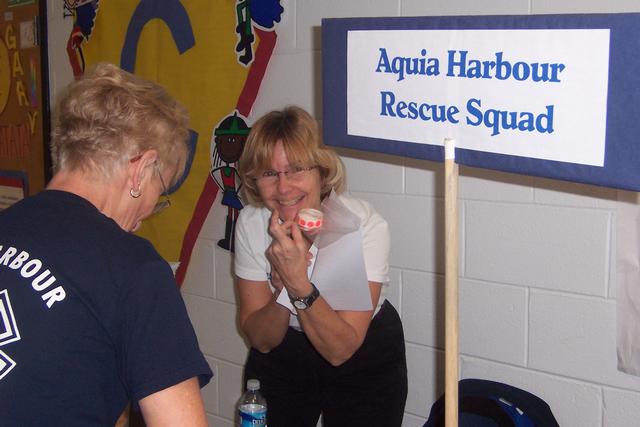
(96, 191)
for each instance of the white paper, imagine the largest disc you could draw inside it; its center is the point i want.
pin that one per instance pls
(338, 271)
(338, 221)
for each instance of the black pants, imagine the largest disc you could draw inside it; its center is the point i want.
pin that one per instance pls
(370, 389)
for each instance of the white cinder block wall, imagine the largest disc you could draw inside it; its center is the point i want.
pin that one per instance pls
(537, 264)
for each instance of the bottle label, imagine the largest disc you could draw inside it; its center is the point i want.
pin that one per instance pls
(252, 415)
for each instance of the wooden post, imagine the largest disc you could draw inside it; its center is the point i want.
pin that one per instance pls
(451, 284)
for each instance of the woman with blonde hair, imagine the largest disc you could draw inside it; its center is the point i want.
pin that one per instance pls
(97, 320)
(348, 365)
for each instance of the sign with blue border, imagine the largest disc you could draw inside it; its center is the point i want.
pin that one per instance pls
(546, 95)
(13, 188)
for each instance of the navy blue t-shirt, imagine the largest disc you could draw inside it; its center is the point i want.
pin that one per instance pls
(90, 316)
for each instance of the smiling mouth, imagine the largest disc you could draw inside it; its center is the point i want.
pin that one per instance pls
(289, 203)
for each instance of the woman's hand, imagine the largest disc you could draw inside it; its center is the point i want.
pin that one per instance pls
(289, 256)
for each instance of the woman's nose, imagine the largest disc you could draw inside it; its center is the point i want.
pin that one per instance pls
(284, 184)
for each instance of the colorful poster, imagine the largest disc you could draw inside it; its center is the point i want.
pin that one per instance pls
(212, 57)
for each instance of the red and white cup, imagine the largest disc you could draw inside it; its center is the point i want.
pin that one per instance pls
(309, 219)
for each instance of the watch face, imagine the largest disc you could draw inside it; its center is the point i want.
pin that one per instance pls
(300, 305)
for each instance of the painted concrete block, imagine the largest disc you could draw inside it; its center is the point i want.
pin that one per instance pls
(425, 383)
(216, 327)
(199, 279)
(310, 14)
(464, 7)
(493, 321)
(621, 408)
(538, 246)
(423, 308)
(372, 172)
(575, 336)
(415, 238)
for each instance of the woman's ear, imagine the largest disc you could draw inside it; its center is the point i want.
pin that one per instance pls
(138, 168)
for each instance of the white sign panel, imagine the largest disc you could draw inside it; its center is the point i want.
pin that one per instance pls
(532, 93)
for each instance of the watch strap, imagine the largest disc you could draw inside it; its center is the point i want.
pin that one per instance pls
(303, 303)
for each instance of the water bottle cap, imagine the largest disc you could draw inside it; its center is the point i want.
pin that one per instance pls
(253, 385)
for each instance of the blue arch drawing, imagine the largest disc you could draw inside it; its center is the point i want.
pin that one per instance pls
(174, 15)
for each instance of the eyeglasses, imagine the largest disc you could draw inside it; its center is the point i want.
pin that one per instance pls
(165, 202)
(293, 174)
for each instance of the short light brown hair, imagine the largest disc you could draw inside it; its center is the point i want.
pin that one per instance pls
(110, 116)
(300, 137)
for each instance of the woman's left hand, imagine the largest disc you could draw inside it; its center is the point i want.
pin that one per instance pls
(288, 254)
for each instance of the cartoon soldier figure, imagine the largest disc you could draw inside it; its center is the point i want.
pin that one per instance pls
(229, 139)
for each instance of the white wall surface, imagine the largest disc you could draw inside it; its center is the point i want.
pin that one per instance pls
(537, 265)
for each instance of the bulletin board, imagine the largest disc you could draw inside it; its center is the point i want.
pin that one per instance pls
(23, 106)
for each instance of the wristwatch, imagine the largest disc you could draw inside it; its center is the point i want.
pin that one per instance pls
(302, 303)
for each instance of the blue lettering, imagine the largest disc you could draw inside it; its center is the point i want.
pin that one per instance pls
(400, 109)
(544, 122)
(475, 69)
(397, 65)
(461, 64)
(452, 112)
(388, 99)
(413, 110)
(492, 120)
(521, 71)
(474, 111)
(555, 70)
(499, 120)
(424, 110)
(526, 121)
(383, 61)
(503, 68)
(406, 66)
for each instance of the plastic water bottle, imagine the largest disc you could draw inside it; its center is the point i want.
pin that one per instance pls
(252, 407)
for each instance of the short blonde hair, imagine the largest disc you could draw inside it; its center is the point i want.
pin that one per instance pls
(300, 137)
(109, 116)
